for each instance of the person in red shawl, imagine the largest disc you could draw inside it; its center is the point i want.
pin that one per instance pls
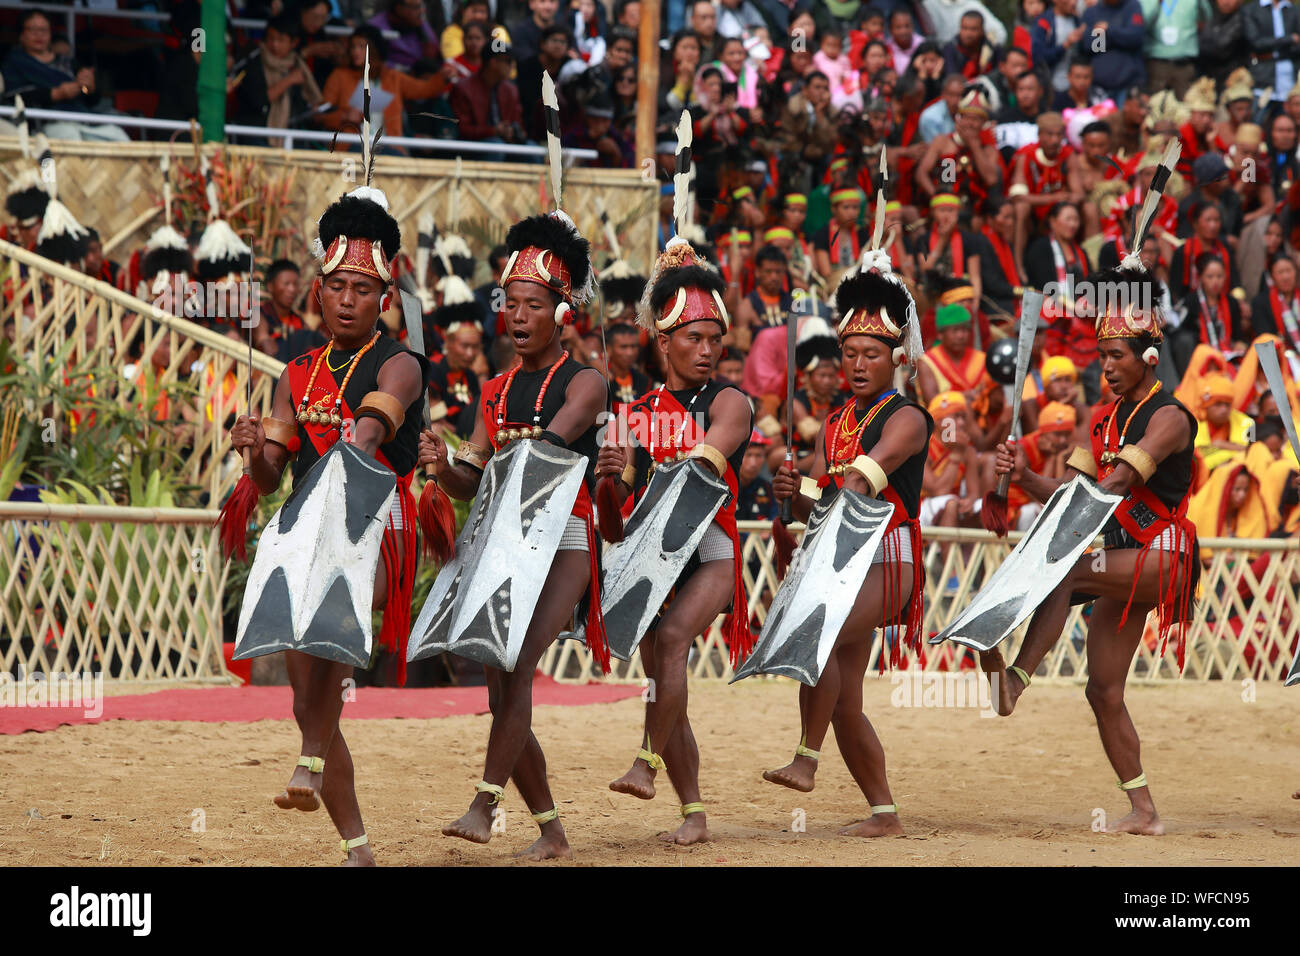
(550, 397)
(364, 388)
(1142, 449)
(691, 415)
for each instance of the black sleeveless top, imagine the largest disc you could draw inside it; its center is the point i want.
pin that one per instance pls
(403, 451)
(700, 412)
(906, 479)
(1173, 478)
(522, 398)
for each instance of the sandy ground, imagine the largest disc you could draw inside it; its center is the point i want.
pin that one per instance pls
(972, 790)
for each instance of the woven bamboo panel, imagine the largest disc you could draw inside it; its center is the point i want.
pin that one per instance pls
(121, 592)
(1233, 637)
(113, 187)
(52, 305)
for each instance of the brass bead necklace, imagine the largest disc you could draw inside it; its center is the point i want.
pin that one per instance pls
(851, 435)
(333, 417)
(1107, 456)
(510, 434)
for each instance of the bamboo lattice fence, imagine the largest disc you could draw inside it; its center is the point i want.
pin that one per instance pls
(129, 593)
(1233, 637)
(117, 188)
(52, 304)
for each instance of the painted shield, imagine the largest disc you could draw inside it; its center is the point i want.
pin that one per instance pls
(481, 604)
(824, 579)
(312, 582)
(1067, 525)
(661, 535)
(1294, 677)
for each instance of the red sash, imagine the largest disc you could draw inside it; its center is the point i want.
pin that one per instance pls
(1006, 259)
(909, 617)
(664, 424)
(835, 233)
(953, 242)
(959, 379)
(1174, 602)
(399, 568)
(1289, 334)
(490, 396)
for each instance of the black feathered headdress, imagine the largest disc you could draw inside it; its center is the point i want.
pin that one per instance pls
(549, 251)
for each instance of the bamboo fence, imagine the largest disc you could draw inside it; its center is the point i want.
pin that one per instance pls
(117, 188)
(52, 305)
(133, 594)
(1231, 638)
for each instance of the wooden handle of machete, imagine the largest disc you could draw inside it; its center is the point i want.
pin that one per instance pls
(1004, 481)
(248, 461)
(787, 504)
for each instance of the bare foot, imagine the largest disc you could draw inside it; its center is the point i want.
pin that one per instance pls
(302, 793)
(876, 825)
(639, 781)
(1144, 822)
(360, 856)
(694, 829)
(1000, 682)
(550, 845)
(797, 775)
(475, 825)
(1296, 795)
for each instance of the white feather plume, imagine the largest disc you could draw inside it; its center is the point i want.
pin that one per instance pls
(219, 242)
(59, 221)
(165, 237)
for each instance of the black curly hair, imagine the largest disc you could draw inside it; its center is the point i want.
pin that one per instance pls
(462, 266)
(165, 260)
(27, 204)
(64, 248)
(360, 219)
(666, 286)
(549, 232)
(872, 291)
(815, 349)
(627, 289)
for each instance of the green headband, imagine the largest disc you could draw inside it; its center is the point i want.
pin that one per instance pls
(947, 316)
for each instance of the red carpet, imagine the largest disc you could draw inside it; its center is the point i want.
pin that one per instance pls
(248, 704)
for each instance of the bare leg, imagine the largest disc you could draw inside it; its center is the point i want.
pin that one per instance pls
(701, 599)
(682, 756)
(1108, 574)
(1110, 651)
(340, 796)
(317, 703)
(800, 772)
(860, 746)
(511, 723)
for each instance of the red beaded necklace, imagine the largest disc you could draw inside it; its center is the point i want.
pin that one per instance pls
(1108, 456)
(852, 434)
(333, 417)
(510, 434)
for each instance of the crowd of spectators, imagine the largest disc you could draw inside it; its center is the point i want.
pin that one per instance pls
(1018, 154)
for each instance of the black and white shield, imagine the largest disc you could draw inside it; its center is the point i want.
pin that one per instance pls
(480, 605)
(1068, 523)
(824, 579)
(662, 533)
(312, 582)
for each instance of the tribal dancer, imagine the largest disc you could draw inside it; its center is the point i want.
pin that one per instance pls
(547, 403)
(690, 415)
(365, 388)
(1142, 449)
(552, 398)
(875, 445)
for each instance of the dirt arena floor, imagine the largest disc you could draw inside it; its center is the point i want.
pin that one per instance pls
(972, 790)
